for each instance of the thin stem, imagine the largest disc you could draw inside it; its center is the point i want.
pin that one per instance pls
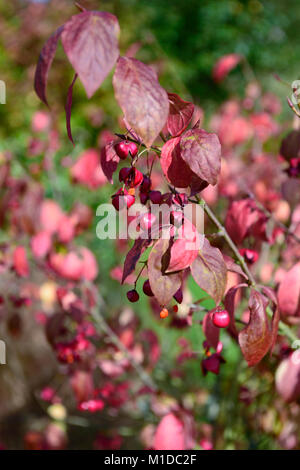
(81, 8)
(102, 325)
(260, 206)
(293, 107)
(229, 241)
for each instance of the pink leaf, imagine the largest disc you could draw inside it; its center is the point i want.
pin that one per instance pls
(180, 114)
(89, 264)
(90, 40)
(289, 292)
(87, 170)
(143, 101)
(50, 216)
(20, 261)
(287, 378)
(169, 434)
(41, 244)
(224, 65)
(184, 250)
(44, 63)
(201, 151)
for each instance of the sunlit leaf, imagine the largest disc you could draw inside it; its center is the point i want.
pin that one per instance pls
(143, 101)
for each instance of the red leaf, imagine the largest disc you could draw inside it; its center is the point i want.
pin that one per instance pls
(180, 114)
(241, 217)
(287, 378)
(209, 271)
(271, 295)
(20, 261)
(163, 286)
(233, 267)
(175, 169)
(211, 332)
(143, 101)
(229, 303)
(184, 250)
(44, 63)
(87, 169)
(202, 153)
(90, 40)
(133, 256)
(109, 161)
(256, 339)
(169, 434)
(289, 292)
(69, 108)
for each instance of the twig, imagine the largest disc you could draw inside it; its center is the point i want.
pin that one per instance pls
(104, 327)
(260, 206)
(223, 232)
(293, 107)
(81, 8)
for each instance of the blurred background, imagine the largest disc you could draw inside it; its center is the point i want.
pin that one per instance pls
(182, 40)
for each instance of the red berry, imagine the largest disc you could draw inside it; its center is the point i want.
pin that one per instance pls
(221, 318)
(123, 148)
(164, 313)
(147, 289)
(147, 220)
(122, 198)
(132, 295)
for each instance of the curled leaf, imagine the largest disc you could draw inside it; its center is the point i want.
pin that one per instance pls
(134, 255)
(229, 303)
(143, 101)
(211, 332)
(257, 338)
(69, 108)
(44, 63)
(109, 161)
